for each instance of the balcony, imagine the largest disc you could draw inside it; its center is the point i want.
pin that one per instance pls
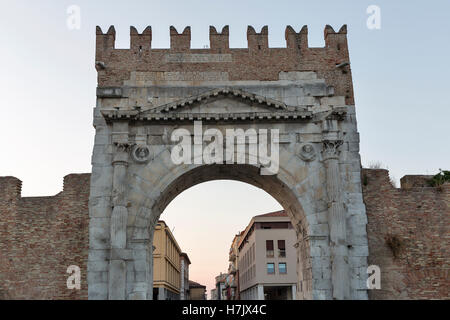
(232, 257)
(232, 269)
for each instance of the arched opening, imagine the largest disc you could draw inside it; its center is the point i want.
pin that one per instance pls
(151, 204)
(206, 221)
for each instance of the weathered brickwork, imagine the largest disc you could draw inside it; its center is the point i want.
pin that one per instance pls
(40, 237)
(409, 236)
(256, 62)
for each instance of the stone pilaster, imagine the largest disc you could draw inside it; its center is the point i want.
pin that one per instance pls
(120, 213)
(336, 215)
(119, 218)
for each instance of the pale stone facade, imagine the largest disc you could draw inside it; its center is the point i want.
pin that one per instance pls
(134, 178)
(255, 282)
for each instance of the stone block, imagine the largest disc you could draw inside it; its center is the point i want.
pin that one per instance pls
(97, 277)
(359, 251)
(322, 284)
(117, 280)
(98, 255)
(98, 291)
(297, 75)
(97, 266)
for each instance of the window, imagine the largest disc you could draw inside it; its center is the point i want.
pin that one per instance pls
(269, 248)
(282, 268)
(271, 268)
(253, 252)
(281, 248)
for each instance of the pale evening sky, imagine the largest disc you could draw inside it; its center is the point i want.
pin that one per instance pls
(48, 81)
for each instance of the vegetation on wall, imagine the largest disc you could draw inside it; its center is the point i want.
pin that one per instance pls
(394, 243)
(439, 179)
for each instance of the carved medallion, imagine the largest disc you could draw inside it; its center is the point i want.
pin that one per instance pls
(141, 153)
(307, 152)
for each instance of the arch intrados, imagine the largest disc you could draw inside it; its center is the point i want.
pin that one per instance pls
(236, 172)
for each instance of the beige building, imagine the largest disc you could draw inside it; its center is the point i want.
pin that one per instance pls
(166, 264)
(197, 291)
(232, 283)
(267, 259)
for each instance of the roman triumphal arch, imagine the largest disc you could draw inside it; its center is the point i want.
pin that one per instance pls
(281, 119)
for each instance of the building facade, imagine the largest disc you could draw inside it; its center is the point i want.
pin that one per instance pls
(184, 276)
(197, 291)
(221, 286)
(214, 294)
(232, 282)
(303, 95)
(268, 258)
(166, 264)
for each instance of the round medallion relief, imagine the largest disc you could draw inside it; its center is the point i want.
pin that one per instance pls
(141, 154)
(307, 152)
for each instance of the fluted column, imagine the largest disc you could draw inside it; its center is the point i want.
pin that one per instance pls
(119, 214)
(118, 227)
(336, 220)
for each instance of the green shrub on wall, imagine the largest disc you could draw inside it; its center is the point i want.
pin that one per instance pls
(442, 177)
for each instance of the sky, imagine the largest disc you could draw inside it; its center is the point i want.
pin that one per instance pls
(48, 81)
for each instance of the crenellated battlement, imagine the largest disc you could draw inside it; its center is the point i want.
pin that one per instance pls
(219, 41)
(257, 62)
(182, 41)
(140, 41)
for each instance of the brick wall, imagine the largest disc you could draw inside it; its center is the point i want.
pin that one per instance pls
(256, 62)
(409, 236)
(40, 237)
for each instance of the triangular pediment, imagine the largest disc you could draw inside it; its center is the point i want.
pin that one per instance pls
(217, 104)
(223, 101)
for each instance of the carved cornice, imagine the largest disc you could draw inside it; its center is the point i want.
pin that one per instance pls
(112, 115)
(179, 111)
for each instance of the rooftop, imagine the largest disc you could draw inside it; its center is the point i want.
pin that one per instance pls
(193, 284)
(280, 213)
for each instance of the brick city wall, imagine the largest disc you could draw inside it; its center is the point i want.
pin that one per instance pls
(256, 62)
(40, 237)
(408, 230)
(409, 236)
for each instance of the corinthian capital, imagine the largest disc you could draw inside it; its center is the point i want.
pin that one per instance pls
(122, 147)
(121, 154)
(331, 149)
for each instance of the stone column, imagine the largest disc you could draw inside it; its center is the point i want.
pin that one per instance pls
(294, 292)
(260, 292)
(336, 218)
(118, 231)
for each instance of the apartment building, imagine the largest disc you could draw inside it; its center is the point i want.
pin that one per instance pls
(197, 291)
(166, 264)
(221, 286)
(232, 281)
(267, 259)
(214, 294)
(184, 276)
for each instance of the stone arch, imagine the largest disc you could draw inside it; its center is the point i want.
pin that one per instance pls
(139, 105)
(155, 185)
